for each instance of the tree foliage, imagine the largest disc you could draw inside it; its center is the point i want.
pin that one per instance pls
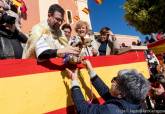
(147, 16)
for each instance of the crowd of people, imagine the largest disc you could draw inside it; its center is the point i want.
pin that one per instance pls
(130, 92)
(51, 38)
(154, 37)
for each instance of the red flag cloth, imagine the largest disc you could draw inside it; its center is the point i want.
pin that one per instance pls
(99, 1)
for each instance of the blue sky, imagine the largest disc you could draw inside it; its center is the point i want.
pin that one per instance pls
(111, 14)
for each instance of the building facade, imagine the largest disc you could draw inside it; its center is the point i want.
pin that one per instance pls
(37, 12)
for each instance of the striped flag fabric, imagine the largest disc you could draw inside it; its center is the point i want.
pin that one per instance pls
(28, 87)
(99, 1)
(17, 3)
(86, 10)
(158, 48)
(77, 18)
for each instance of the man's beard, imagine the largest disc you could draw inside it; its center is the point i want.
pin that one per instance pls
(55, 27)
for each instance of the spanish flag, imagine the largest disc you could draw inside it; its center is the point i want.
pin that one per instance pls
(158, 48)
(28, 87)
(86, 10)
(99, 1)
(77, 18)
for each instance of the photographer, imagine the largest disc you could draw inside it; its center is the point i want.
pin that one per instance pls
(10, 37)
(128, 90)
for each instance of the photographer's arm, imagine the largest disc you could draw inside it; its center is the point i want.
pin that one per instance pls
(82, 106)
(99, 85)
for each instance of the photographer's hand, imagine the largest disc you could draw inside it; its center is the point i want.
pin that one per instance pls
(94, 52)
(73, 75)
(89, 67)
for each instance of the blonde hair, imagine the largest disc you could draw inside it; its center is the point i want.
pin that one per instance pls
(80, 23)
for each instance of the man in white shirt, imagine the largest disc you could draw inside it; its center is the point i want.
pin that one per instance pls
(46, 39)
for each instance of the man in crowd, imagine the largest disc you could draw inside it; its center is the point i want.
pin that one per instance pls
(67, 31)
(46, 39)
(10, 37)
(127, 92)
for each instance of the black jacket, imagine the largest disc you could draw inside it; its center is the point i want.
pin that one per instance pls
(112, 105)
(10, 43)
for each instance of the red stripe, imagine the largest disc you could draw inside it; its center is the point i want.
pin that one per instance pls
(11, 68)
(159, 56)
(160, 42)
(70, 109)
(98, 1)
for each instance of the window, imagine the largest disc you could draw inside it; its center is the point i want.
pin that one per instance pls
(69, 17)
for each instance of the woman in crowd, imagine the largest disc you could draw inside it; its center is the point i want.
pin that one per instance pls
(87, 43)
(105, 42)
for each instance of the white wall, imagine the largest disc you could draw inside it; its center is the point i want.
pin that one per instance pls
(44, 6)
(85, 17)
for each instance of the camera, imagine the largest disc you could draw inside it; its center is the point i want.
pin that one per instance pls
(7, 19)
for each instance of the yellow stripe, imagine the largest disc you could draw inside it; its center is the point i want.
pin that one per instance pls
(18, 4)
(159, 49)
(45, 92)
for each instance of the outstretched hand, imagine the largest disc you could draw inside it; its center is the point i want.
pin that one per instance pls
(88, 64)
(73, 75)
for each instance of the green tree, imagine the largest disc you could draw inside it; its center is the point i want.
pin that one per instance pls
(147, 16)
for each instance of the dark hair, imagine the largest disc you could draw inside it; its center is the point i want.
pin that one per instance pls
(55, 7)
(160, 78)
(132, 85)
(66, 26)
(104, 30)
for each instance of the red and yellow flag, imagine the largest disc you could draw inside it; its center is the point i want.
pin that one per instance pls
(77, 18)
(99, 1)
(17, 3)
(158, 48)
(86, 10)
(27, 87)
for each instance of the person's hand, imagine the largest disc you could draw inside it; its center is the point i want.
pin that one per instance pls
(72, 74)
(110, 33)
(88, 65)
(113, 37)
(94, 52)
(160, 90)
(68, 50)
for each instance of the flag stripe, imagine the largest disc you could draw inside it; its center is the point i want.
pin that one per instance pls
(71, 109)
(157, 43)
(98, 1)
(158, 49)
(76, 18)
(50, 91)
(86, 10)
(11, 68)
